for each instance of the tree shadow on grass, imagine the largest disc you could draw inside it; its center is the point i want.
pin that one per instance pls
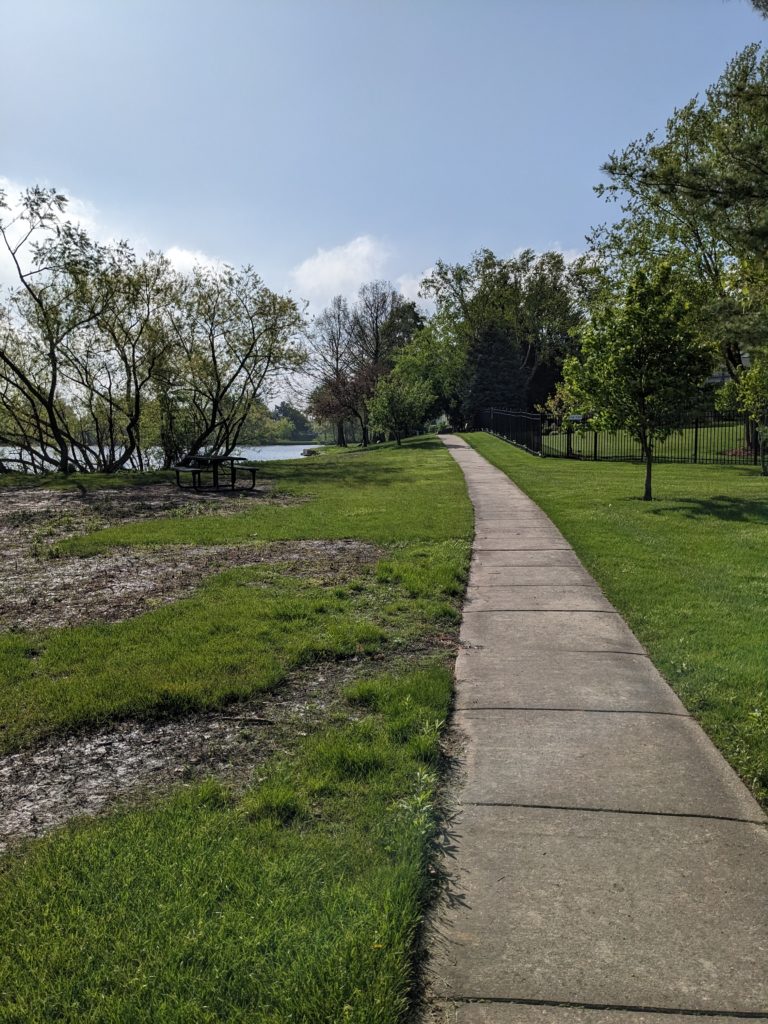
(719, 506)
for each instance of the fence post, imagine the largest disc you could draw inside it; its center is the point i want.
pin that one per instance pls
(596, 435)
(696, 440)
(756, 442)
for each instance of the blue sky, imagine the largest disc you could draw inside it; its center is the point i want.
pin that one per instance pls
(328, 142)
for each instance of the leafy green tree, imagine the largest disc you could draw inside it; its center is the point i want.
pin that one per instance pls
(297, 425)
(399, 404)
(508, 318)
(642, 362)
(232, 338)
(353, 348)
(103, 354)
(709, 173)
(433, 355)
(748, 394)
(81, 337)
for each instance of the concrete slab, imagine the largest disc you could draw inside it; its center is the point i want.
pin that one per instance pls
(611, 682)
(534, 575)
(481, 598)
(567, 906)
(640, 762)
(517, 1013)
(549, 631)
(530, 531)
(524, 556)
(541, 540)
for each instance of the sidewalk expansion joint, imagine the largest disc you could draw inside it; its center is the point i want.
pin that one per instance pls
(616, 1007)
(560, 547)
(762, 823)
(584, 711)
(540, 611)
(524, 565)
(556, 586)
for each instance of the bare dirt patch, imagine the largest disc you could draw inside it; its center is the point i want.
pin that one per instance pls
(39, 592)
(52, 593)
(84, 775)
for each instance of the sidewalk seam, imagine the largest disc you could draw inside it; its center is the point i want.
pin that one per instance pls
(617, 1007)
(615, 810)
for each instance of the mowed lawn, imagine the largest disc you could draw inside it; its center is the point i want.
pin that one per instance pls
(689, 571)
(298, 899)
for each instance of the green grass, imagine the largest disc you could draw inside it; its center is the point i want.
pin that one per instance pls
(689, 571)
(297, 901)
(245, 630)
(384, 495)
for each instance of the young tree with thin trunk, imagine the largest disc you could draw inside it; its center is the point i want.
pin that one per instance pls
(642, 362)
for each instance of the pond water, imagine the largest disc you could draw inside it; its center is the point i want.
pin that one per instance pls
(273, 452)
(254, 453)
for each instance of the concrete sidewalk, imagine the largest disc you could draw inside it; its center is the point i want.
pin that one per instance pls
(609, 864)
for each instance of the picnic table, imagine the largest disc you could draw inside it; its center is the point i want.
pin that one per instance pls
(196, 465)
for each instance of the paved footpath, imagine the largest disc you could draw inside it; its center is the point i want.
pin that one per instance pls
(609, 865)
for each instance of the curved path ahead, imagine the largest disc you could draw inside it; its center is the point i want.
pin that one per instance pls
(609, 864)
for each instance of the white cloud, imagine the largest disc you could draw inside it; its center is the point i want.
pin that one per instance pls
(185, 260)
(569, 255)
(341, 270)
(87, 216)
(408, 284)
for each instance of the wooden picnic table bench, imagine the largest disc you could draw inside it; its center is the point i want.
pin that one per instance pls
(196, 465)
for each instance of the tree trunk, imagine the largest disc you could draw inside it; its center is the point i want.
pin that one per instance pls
(341, 440)
(648, 466)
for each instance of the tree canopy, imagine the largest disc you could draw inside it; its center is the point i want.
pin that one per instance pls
(641, 362)
(499, 323)
(106, 356)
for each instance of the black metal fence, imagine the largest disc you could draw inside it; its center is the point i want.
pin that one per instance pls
(708, 438)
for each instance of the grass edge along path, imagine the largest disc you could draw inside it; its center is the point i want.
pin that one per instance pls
(687, 571)
(298, 901)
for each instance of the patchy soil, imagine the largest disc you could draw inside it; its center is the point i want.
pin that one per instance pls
(84, 775)
(38, 591)
(51, 593)
(125, 762)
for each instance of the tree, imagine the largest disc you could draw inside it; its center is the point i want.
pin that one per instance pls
(298, 427)
(330, 366)
(642, 362)
(509, 319)
(232, 337)
(380, 323)
(710, 170)
(748, 394)
(80, 338)
(102, 353)
(434, 356)
(352, 348)
(399, 404)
